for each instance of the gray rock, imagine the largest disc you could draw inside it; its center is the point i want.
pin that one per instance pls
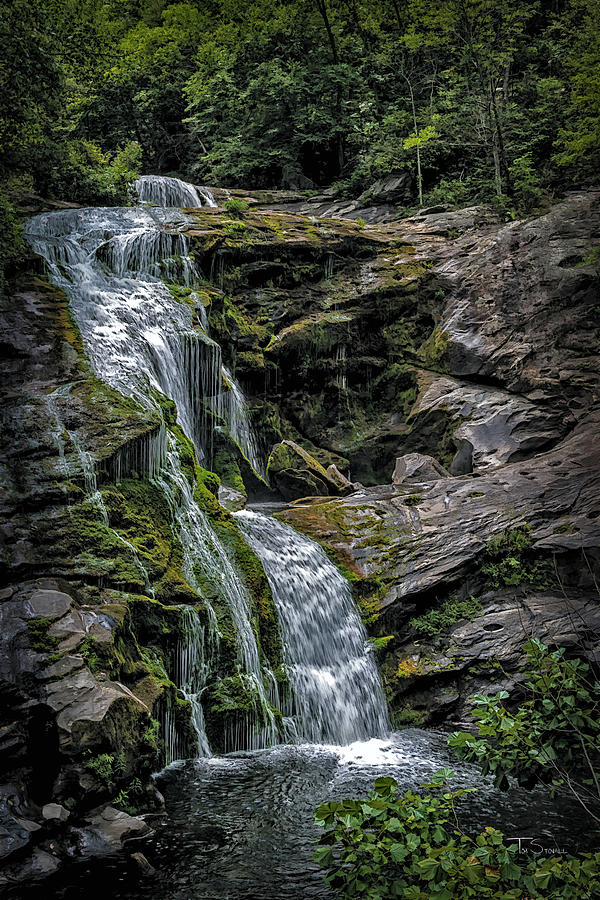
(509, 620)
(107, 829)
(15, 829)
(297, 474)
(36, 867)
(55, 811)
(143, 865)
(493, 426)
(417, 468)
(425, 547)
(49, 604)
(389, 189)
(341, 482)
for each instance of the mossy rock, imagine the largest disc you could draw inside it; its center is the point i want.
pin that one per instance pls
(297, 474)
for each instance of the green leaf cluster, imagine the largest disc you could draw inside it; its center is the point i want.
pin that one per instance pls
(509, 560)
(552, 736)
(410, 845)
(449, 612)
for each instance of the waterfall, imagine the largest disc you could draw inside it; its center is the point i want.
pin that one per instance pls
(143, 455)
(141, 340)
(194, 659)
(328, 266)
(237, 416)
(336, 692)
(87, 466)
(166, 192)
(137, 335)
(340, 358)
(204, 552)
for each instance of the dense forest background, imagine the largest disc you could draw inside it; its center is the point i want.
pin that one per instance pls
(480, 100)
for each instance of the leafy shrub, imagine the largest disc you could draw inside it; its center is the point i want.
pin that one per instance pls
(527, 192)
(448, 613)
(509, 560)
(131, 799)
(92, 176)
(411, 846)
(235, 207)
(380, 643)
(551, 736)
(235, 228)
(39, 639)
(102, 767)
(12, 245)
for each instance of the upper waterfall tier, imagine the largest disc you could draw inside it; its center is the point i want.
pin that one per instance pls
(163, 191)
(337, 694)
(138, 336)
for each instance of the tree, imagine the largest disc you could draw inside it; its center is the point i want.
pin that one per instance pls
(579, 141)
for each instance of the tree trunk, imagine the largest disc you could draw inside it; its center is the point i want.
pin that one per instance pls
(322, 7)
(414, 113)
(499, 139)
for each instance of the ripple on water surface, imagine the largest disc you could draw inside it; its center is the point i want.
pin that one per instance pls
(241, 827)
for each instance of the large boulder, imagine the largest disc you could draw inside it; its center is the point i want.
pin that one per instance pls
(417, 468)
(390, 189)
(295, 473)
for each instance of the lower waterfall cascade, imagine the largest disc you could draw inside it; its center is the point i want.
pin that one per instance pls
(337, 697)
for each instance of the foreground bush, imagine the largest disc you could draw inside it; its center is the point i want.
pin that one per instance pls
(412, 846)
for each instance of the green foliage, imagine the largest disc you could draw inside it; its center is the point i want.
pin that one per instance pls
(89, 651)
(509, 560)
(552, 736)
(411, 846)
(448, 613)
(527, 192)
(131, 799)
(235, 230)
(95, 177)
(103, 768)
(235, 207)
(578, 142)
(12, 245)
(493, 98)
(39, 639)
(380, 643)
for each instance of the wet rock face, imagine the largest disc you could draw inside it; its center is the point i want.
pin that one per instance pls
(56, 718)
(509, 402)
(417, 468)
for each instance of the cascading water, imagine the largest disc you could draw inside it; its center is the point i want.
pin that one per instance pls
(337, 695)
(137, 335)
(194, 658)
(163, 191)
(141, 340)
(85, 465)
(238, 419)
(204, 552)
